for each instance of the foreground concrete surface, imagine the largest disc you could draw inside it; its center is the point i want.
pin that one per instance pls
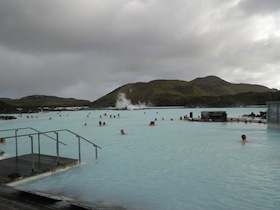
(18, 199)
(30, 166)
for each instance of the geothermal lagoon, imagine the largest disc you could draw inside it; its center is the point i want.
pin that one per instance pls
(175, 164)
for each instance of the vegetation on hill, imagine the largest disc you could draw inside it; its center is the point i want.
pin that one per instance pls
(49, 101)
(5, 108)
(32, 103)
(208, 91)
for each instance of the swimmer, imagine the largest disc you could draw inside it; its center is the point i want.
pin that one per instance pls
(2, 140)
(244, 140)
(122, 132)
(152, 123)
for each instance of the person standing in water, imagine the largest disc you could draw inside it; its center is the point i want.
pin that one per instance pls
(244, 140)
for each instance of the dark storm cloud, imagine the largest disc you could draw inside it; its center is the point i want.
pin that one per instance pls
(87, 48)
(260, 6)
(50, 26)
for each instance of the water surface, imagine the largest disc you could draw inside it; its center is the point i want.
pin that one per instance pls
(173, 165)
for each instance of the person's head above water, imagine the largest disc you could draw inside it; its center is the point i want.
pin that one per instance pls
(122, 131)
(152, 123)
(243, 139)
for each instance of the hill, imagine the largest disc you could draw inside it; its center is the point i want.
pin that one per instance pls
(33, 102)
(198, 92)
(5, 108)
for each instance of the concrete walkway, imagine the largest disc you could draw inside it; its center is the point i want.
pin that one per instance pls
(18, 199)
(13, 198)
(25, 166)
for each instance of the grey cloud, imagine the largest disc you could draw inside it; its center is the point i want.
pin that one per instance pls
(260, 6)
(85, 49)
(53, 26)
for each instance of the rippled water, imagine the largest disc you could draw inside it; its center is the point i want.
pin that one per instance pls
(173, 165)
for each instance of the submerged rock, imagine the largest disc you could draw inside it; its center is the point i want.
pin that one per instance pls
(7, 118)
(261, 115)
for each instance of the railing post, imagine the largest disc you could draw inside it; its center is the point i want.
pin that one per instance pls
(57, 148)
(39, 147)
(16, 143)
(79, 145)
(31, 137)
(95, 152)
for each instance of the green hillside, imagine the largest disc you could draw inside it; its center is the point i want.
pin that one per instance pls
(209, 91)
(33, 102)
(177, 92)
(6, 108)
(50, 101)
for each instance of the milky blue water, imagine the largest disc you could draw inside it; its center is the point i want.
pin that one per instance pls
(173, 165)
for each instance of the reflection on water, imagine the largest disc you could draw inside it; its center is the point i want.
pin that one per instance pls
(175, 164)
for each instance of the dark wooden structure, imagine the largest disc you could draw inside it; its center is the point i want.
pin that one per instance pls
(214, 116)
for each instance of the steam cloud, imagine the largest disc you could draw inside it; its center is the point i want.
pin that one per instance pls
(124, 103)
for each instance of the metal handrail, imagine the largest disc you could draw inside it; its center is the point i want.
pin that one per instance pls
(38, 132)
(33, 130)
(79, 138)
(57, 139)
(74, 134)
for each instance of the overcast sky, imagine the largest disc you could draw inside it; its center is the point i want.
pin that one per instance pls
(87, 48)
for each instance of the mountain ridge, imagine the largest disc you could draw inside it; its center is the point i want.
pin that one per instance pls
(33, 102)
(177, 92)
(210, 91)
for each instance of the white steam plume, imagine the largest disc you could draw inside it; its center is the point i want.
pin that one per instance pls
(124, 103)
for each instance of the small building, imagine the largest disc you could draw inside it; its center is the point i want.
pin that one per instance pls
(273, 114)
(214, 116)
